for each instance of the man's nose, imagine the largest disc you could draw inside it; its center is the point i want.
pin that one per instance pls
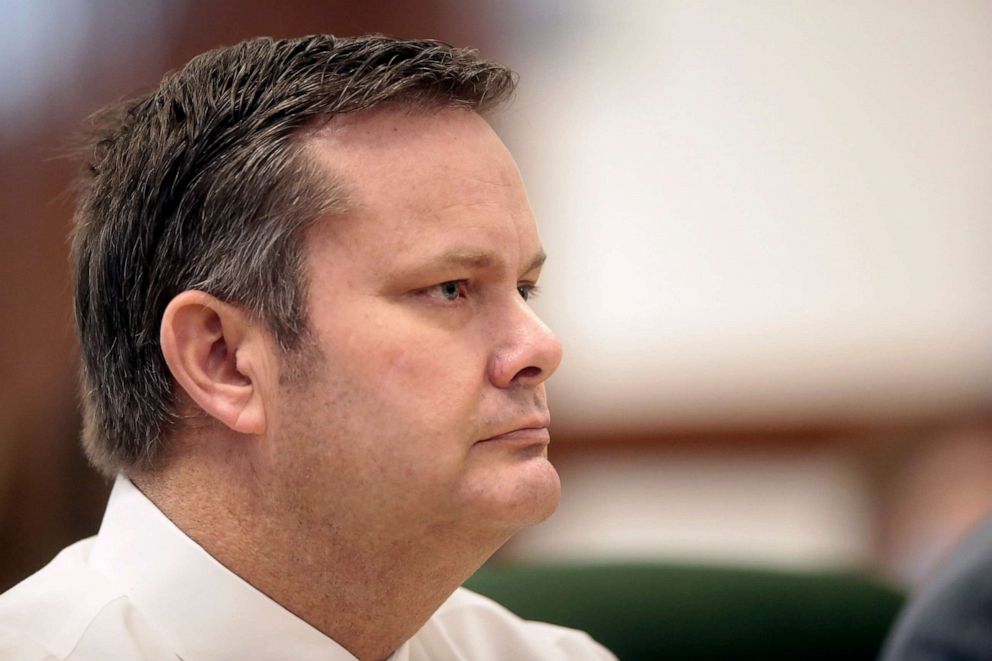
(527, 353)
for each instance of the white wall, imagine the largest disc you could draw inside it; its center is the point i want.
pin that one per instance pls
(799, 510)
(759, 208)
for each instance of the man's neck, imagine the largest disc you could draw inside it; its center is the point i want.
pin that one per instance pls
(365, 588)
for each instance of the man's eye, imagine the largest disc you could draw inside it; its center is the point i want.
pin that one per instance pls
(448, 291)
(527, 292)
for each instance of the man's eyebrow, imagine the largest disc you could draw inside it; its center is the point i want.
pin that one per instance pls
(537, 262)
(470, 257)
(479, 259)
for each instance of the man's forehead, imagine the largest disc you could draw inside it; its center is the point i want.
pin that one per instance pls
(379, 145)
(391, 127)
(434, 187)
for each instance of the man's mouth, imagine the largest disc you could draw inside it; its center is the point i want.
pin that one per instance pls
(529, 434)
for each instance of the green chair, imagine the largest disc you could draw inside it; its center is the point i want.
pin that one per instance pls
(661, 611)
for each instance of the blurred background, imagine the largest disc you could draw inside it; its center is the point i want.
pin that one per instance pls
(768, 226)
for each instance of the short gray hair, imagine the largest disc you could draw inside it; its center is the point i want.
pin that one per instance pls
(203, 184)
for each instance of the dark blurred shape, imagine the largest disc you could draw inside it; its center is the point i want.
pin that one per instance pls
(951, 616)
(668, 611)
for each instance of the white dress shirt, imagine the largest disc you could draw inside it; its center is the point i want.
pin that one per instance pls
(142, 589)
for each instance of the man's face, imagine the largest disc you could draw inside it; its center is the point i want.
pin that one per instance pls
(428, 346)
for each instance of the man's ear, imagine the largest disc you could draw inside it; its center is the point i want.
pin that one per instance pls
(218, 358)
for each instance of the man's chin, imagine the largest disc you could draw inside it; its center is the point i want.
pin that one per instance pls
(519, 496)
(546, 496)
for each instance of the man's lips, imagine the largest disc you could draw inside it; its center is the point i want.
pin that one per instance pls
(522, 436)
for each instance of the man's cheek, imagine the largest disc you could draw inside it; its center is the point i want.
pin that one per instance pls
(424, 372)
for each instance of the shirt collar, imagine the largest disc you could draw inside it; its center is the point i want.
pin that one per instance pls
(206, 611)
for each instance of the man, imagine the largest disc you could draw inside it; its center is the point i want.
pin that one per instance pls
(302, 272)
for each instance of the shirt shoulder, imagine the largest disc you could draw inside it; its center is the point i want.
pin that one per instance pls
(470, 626)
(51, 609)
(69, 611)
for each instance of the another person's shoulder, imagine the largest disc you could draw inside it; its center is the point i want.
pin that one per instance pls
(67, 610)
(471, 626)
(951, 616)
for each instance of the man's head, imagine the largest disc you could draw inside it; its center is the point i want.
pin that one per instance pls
(202, 184)
(318, 243)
